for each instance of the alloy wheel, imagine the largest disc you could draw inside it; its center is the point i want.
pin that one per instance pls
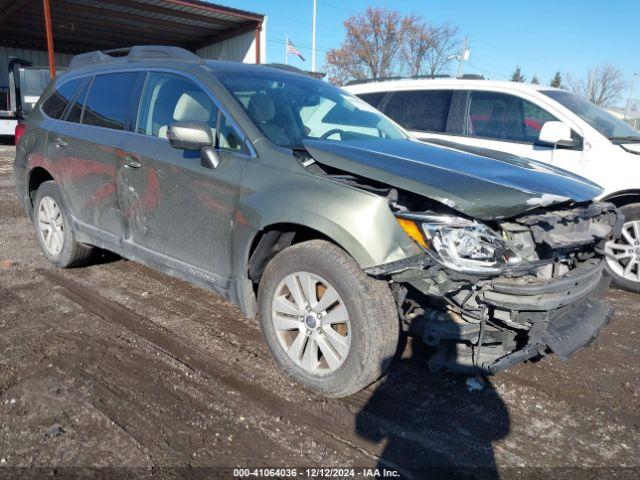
(51, 225)
(311, 323)
(623, 255)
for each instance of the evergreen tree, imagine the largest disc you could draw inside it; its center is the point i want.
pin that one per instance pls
(518, 76)
(535, 80)
(556, 81)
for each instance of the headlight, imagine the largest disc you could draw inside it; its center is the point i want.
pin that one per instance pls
(458, 243)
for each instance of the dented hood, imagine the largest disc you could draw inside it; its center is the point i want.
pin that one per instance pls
(481, 183)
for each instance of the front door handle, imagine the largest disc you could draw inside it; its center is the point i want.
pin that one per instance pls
(60, 142)
(129, 161)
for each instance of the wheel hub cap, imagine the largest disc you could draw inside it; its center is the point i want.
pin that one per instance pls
(311, 323)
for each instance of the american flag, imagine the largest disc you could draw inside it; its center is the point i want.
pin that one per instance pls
(294, 50)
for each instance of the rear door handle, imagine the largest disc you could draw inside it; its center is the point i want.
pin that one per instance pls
(129, 161)
(60, 142)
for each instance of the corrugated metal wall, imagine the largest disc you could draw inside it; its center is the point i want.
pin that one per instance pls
(37, 58)
(238, 49)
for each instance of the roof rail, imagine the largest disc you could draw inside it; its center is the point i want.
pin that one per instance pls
(289, 68)
(384, 79)
(138, 52)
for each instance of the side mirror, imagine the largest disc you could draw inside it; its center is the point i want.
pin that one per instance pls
(557, 134)
(190, 135)
(209, 157)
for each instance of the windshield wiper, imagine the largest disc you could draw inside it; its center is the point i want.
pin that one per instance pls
(629, 138)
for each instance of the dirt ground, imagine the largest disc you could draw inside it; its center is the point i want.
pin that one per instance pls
(117, 370)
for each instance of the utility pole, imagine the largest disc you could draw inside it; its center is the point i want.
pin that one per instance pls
(464, 55)
(313, 38)
(633, 85)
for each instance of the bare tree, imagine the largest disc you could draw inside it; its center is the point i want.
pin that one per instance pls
(371, 46)
(445, 44)
(603, 85)
(417, 43)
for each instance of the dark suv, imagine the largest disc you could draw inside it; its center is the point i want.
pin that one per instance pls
(302, 203)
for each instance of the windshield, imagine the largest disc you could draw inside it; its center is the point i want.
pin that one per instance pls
(611, 127)
(290, 108)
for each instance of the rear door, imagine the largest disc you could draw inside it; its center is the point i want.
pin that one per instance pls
(173, 206)
(85, 147)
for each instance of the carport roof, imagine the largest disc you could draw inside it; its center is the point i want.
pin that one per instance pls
(84, 25)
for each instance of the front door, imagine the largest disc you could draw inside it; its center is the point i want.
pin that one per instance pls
(175, 208)
(511, 124)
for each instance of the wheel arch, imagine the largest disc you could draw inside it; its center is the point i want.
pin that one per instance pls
(36, 177)
(272, 238)
(623, 197)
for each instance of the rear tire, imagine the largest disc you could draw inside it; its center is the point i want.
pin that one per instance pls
(628, 244)
(360, 320)
(53, 229)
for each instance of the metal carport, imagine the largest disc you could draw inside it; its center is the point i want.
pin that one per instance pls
(84, 25)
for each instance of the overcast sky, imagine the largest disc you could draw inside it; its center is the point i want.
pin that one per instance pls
(542, 36)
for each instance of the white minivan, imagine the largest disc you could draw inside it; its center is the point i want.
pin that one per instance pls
(534, 121)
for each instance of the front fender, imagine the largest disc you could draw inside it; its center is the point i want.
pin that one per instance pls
(357, 220)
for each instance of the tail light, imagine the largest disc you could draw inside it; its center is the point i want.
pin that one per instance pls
(20, 129)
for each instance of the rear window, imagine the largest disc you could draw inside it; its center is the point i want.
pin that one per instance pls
(60, 98)
(109, 98)
(422, 110)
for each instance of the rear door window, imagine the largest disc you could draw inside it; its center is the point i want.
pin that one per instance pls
(421, 110)
(55, 105)
(109, 99)
(74, 113)
(506, 117)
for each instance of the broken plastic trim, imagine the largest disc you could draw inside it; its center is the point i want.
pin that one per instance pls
(422, 261)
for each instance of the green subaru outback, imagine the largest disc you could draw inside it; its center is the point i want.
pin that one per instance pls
(308, 208)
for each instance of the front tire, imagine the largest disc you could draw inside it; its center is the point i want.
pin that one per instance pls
(53, 229)
(625, 268)
(328, 325)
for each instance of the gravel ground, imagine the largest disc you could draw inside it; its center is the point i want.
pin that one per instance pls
(116, 366)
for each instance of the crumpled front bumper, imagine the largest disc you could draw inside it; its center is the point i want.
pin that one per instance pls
(532, 315)
(565, 314)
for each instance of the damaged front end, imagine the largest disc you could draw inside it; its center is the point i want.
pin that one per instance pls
(489, 295)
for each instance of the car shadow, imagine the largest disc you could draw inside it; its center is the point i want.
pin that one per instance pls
(433, 425)
(101, 257)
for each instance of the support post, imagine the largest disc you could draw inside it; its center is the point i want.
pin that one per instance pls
(49, 31)
(257, 42)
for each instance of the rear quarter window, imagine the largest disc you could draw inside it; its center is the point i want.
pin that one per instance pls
(421, 110)
(372, 99)
(55, 105)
